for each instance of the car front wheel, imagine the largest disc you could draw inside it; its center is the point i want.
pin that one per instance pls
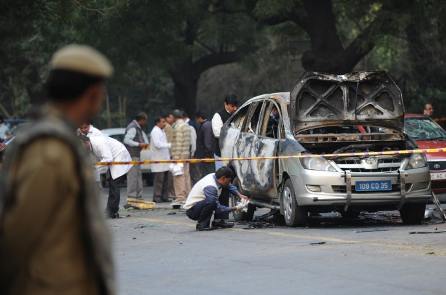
(294, 214)
(412, 213)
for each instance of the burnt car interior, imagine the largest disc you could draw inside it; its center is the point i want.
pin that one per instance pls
(327, 109)
(266, 123)
(345, 139)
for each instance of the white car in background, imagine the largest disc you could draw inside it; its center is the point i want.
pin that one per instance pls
(116, 133)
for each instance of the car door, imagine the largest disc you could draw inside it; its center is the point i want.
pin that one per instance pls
(244, 145)
(230, 134)
(264, 172)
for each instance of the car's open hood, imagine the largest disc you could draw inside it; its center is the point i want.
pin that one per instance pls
(371, 98)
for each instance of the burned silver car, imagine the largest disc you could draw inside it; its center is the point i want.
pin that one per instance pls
(328, 114)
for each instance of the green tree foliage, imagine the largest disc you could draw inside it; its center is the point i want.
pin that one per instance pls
(164, 50)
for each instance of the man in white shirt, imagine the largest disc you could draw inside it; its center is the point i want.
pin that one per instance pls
(160, 151)
(219, 118)
(193, 148)
(107, 149)
(89, 130)
(3, 129)
(203, 200)
(135, 140)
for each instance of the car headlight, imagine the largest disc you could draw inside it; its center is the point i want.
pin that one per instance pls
(317, 163)
(417, 161)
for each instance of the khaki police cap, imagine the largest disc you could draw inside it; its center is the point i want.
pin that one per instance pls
(82, 59)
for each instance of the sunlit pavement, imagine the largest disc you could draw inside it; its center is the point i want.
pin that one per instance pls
(159, 252)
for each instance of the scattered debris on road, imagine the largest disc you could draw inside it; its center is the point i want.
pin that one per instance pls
(370, 230)
(318, 243)
(139, 204)
(427, 232)
(258, 224)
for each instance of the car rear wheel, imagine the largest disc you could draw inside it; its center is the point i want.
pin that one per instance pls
(294, 214)
(412, 213)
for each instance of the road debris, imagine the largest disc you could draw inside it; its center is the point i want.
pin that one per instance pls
(370, 230)
(427, 232)
(318, 243)
(258, 224)
(139, 204)
(438, 205)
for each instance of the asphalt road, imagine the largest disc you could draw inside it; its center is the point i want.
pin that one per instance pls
(159, 252)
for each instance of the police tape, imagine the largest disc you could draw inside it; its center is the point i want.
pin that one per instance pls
(299, 156)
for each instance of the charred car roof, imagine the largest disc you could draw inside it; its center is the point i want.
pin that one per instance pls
(356, 98)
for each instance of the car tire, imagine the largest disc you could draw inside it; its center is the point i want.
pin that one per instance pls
(412, 213)
(241, 216)
(294, 214)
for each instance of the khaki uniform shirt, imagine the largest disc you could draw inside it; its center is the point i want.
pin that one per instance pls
(43, 229)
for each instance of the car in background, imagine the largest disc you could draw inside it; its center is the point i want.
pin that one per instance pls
(328, 114)
(428, 134)
(116, 133)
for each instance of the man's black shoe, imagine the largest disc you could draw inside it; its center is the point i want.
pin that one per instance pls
(200, 227)
(157, 200)
(113, 215)
(222, 224)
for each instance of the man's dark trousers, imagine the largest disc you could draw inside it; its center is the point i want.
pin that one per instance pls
(223, 200)
(114, 194)
(202, 212)
(160, 187)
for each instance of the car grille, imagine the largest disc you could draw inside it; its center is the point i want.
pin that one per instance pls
(343, 189)
(356, 165)
(395, 188)
(437, 165)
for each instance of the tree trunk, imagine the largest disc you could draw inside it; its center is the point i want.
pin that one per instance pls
(327, 53)
(185, 80)
(185, 93)
(185, 76)
(326, 47)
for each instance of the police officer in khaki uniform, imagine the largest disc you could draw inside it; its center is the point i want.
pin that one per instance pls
(53, 236)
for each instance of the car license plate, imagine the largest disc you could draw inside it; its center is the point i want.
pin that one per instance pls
(438, 175)
(373, 186)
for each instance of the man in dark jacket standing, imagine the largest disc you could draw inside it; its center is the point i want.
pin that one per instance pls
(54, 239)
(205, 144)
(136, 140)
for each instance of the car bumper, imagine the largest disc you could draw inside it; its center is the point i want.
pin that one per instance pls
(338, 189)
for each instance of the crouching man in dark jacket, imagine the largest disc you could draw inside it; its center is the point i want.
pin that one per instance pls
(202, 202)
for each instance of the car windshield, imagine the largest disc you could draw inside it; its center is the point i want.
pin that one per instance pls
(424, 129)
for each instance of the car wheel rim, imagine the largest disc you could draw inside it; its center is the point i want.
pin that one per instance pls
(287, 203)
